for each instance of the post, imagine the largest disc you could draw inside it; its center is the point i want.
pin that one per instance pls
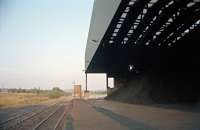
(86, 81)
(107, 80)
(86, 93)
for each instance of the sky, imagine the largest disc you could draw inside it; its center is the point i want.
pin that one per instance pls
(42, 44)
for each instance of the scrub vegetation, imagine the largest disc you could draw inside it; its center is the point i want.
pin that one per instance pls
(22, 97)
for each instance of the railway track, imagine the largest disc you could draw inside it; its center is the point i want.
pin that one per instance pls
(53, 120)
(18, 113)
(29, 121)
(16, 119)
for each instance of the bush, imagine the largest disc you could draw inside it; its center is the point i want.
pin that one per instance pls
(56, 93)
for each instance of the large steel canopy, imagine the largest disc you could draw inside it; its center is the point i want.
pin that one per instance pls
(131, 36)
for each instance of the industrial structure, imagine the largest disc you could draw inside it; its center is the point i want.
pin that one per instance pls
(148, 43)
(77, 91)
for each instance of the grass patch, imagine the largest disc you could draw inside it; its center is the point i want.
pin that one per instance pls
(18, 99)
(22, 97)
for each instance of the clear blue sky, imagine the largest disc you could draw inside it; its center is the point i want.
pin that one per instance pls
(42, 43)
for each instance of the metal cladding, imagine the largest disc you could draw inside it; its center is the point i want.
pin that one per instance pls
(103, 12)
(134, 35)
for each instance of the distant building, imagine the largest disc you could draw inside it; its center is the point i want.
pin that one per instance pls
(77, 91)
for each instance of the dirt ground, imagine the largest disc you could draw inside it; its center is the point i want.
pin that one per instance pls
(100, 114)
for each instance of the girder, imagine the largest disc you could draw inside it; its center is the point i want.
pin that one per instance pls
(160, 21)
(154, 10)
(185, 15)
(132, 15)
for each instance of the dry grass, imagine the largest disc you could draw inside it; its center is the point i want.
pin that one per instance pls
(21, 99)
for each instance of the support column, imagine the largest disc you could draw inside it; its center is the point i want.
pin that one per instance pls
(86, 92)
(107, 81)
(86, 82)
(108, 90)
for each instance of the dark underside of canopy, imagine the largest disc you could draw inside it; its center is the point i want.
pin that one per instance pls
(160, 36)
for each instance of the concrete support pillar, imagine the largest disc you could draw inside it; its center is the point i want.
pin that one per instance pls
(86, 92)
(86, 82)
(107, 81)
